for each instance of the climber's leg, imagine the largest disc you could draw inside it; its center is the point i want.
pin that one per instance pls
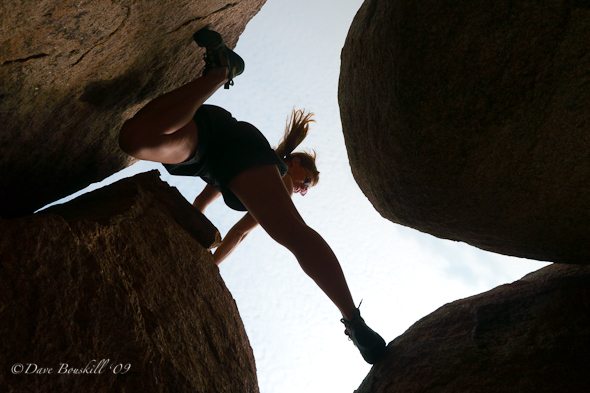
(163, 130)
(263, 192)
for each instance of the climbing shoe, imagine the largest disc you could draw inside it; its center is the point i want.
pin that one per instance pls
(218, 55)
(370, 344)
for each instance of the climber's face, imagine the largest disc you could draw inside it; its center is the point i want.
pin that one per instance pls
(300, 176)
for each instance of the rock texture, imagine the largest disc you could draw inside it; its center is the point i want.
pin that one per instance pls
(529, 336)
(71, 72)
(133, 287)
(470, 122)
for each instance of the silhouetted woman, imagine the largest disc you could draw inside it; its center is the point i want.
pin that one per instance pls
(236, 160)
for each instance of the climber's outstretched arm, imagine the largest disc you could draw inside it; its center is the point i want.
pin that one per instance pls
(241, 229)
(234, 236)
(208, 195)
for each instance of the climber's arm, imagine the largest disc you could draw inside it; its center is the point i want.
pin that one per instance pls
(208, 195)
(234, 237)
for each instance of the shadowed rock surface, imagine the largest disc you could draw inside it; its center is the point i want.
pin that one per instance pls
(529, 336)
(132, 287)
(72, 72)
(470, 122)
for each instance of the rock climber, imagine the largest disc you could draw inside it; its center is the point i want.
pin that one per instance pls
(235, 160)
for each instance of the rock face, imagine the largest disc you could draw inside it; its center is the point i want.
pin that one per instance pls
(471, 122)
(134, 290)
(529, 336)
(72, 72)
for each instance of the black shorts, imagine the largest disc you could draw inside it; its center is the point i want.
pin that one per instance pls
(226, 148)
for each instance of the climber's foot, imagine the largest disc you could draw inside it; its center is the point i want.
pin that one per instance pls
(370, 344)
(208, 39)
(218, 55)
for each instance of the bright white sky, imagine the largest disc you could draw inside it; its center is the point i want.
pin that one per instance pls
(292, 54)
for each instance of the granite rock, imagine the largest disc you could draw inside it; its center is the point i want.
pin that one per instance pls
(470, 121)
(529, 336)
(133, 297)
(72, 72)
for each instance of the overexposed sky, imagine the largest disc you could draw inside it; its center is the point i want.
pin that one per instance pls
(292, 55)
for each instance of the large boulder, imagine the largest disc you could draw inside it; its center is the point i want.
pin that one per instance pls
(129, 300)
(470, 121)
(72, 71)
(529, 336)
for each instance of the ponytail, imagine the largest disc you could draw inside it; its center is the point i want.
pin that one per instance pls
(295, 132)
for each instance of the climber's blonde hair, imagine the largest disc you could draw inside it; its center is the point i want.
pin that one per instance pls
(296, 130)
